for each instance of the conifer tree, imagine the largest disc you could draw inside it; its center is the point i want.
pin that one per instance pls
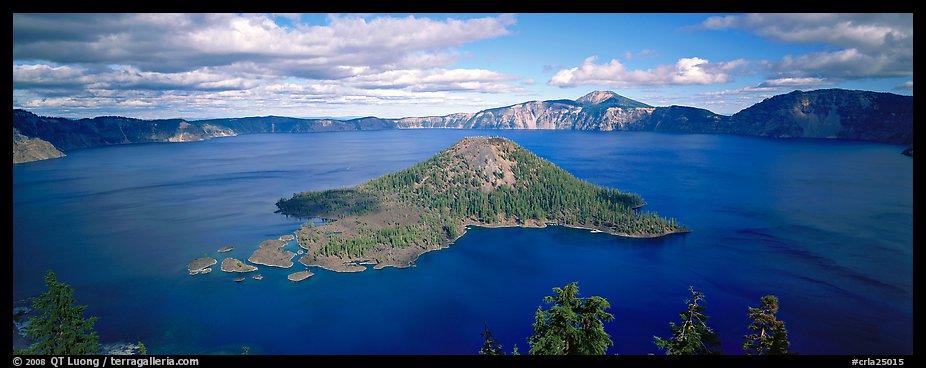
(771, 336)
(142, 349)
(692, 336)
(60, 328)
(572, 325)
(489, 346)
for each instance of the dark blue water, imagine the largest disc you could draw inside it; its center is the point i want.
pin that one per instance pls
(824, 225)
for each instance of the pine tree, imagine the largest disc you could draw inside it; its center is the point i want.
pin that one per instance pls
(692, 336)
(572, 325)
(490, 346)
(771, 337)
(142, 349)
(60, 329)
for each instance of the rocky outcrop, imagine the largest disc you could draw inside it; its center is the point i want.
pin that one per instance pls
(609, 99)
(456, 121)
(830, 113)
(556, 114)
(201, 265)
(271, 253)
(28, 149)
(67, 134)
(187, 132)
(299, 276)
(688, 120)
(235, 265)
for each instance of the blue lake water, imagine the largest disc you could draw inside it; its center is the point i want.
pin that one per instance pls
(824, 225)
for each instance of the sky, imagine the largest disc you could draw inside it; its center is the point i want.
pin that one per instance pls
(396, 65)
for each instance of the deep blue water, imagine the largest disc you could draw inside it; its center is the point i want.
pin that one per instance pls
(824, 225)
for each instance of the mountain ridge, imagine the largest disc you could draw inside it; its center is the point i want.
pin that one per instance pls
(826, 113)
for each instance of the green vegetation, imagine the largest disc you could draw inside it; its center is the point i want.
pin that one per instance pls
(572, 325)
(490, 346)
(692, 336)
(482, 181)
(771, 336)
(333, 203)
(60, 329)
(142, 349)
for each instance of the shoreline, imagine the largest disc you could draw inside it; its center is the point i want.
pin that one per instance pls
(469, 222)
(544, 225)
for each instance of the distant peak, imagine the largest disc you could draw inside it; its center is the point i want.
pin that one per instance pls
(596, 97)
(609, 99)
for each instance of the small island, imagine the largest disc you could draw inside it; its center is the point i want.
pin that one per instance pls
(271, 253)
(299, 276)
(226, 249)
(200, 266)
(483, 181)
(234, 265)
(287, 237)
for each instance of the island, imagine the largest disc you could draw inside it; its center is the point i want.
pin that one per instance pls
(234, 265)
(287, 237)
(226, 249)
(271, 253)
(484, 181)
(299, 276)
(200, 266)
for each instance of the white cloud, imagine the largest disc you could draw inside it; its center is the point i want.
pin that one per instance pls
(478, 80)
(176, 42)
(685, 71)
(733, 100)
(847, 63)
(42, 74)
(862, 31)
(867, 45)
(795, 82)
(121, 77)
(640, 54)
(768, 87)
(254, 43)
(197, 62)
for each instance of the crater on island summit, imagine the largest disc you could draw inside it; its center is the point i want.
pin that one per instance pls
(484, 181)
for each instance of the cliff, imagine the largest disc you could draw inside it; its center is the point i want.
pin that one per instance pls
(829, 113)
(28, 149)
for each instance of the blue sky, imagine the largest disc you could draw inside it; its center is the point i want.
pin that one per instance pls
(395, 65)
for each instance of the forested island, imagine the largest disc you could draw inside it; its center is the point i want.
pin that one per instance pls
(483, 181)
